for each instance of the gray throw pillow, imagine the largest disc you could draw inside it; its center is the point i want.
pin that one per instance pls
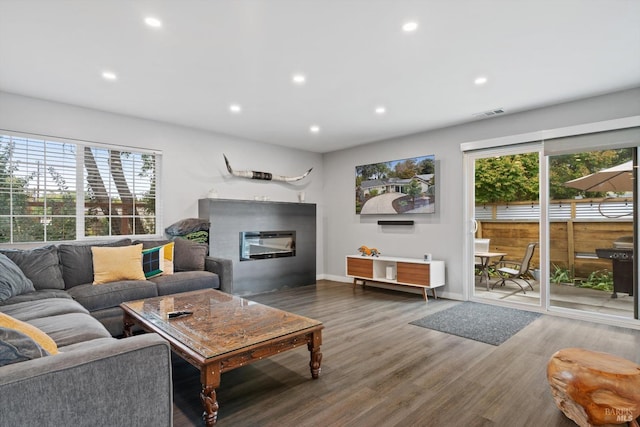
(148, 244)
(12, 279)
(77, 261)
(40, 265)
(17, 347)
(188, 256)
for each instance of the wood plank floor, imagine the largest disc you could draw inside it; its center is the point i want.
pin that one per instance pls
(377, 369)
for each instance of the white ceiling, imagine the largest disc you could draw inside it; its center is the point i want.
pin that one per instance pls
(210, 54)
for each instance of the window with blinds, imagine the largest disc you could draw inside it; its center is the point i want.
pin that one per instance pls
(55, 190)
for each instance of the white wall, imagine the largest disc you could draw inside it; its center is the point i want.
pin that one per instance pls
(442, 233)
(193, 164)
(193, 161)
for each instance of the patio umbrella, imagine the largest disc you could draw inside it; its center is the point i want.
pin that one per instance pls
(617, 179)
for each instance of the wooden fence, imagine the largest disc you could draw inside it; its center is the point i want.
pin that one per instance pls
(573, 242)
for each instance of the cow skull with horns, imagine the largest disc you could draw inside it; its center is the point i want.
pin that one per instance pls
(265, 176)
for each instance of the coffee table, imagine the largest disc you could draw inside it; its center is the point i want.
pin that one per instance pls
(223, 332)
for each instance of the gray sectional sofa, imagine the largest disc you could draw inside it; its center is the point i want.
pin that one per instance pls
(95, 379)
(66, 270)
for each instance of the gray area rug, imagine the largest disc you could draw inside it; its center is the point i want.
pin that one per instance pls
(481, 322)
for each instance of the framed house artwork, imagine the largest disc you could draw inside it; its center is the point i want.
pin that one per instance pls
(405, 186)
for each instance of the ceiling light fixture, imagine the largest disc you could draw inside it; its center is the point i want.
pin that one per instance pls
(380, 110)
(109, 75)
(235, 108)
(479, 81)
(409, 27)
(153, 22)
(299, 79)
(314, 129)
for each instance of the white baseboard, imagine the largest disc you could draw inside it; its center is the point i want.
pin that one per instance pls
(334, 278)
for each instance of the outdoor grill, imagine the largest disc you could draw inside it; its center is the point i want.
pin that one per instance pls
(621, 254)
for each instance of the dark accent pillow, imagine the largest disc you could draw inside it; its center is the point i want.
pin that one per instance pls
(17, 347)
(152, 260)
(186, 226)
(77, 261)
(12, 279)
(189, 256)
(40, 265)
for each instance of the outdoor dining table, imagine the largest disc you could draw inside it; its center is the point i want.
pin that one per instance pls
(485, 257)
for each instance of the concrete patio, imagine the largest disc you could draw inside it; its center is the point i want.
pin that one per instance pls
(562, 295)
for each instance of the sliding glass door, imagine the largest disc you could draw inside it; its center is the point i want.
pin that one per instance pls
(591, 227)
(564, 213)
(506, 224)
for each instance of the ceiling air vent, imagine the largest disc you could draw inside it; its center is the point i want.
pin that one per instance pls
(489, 113)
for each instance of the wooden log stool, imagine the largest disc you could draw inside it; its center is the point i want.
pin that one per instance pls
(595, 389)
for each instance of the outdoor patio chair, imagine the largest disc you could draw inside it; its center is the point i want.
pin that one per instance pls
(512, 270)
(480, 245)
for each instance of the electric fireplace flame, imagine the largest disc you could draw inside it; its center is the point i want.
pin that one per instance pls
(255, 245)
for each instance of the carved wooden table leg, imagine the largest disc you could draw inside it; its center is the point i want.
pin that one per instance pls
(314, 341)
(210, 379)
(128, 324)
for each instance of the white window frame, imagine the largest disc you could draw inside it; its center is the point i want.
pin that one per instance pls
(81, 183)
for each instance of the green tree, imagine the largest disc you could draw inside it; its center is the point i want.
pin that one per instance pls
(413, 190)
(148, 171)
(62, 203)
(14, 194)
(373, 171)
(507, 178)
(566, 167)
(515, 177)
(406, 169)
(427, 166)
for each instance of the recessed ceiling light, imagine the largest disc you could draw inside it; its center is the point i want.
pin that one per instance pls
(299, 79)
(410, 26)
(109, 75)
(480, 80)
(380, 110)
(153, 22)
(314, 129)
(235, 108)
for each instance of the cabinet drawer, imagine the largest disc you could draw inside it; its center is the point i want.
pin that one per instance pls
(417, 274)
(360, 267)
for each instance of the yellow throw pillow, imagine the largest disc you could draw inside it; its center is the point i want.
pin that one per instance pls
(43, 340)
(167, 250)
(111, 264)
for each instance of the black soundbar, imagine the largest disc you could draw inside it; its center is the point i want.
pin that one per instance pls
(405, 222)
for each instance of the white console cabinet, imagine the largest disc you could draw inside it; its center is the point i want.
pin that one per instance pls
(412, 272)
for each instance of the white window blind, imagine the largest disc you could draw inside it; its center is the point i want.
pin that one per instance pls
(54, 190)
(120, 196)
